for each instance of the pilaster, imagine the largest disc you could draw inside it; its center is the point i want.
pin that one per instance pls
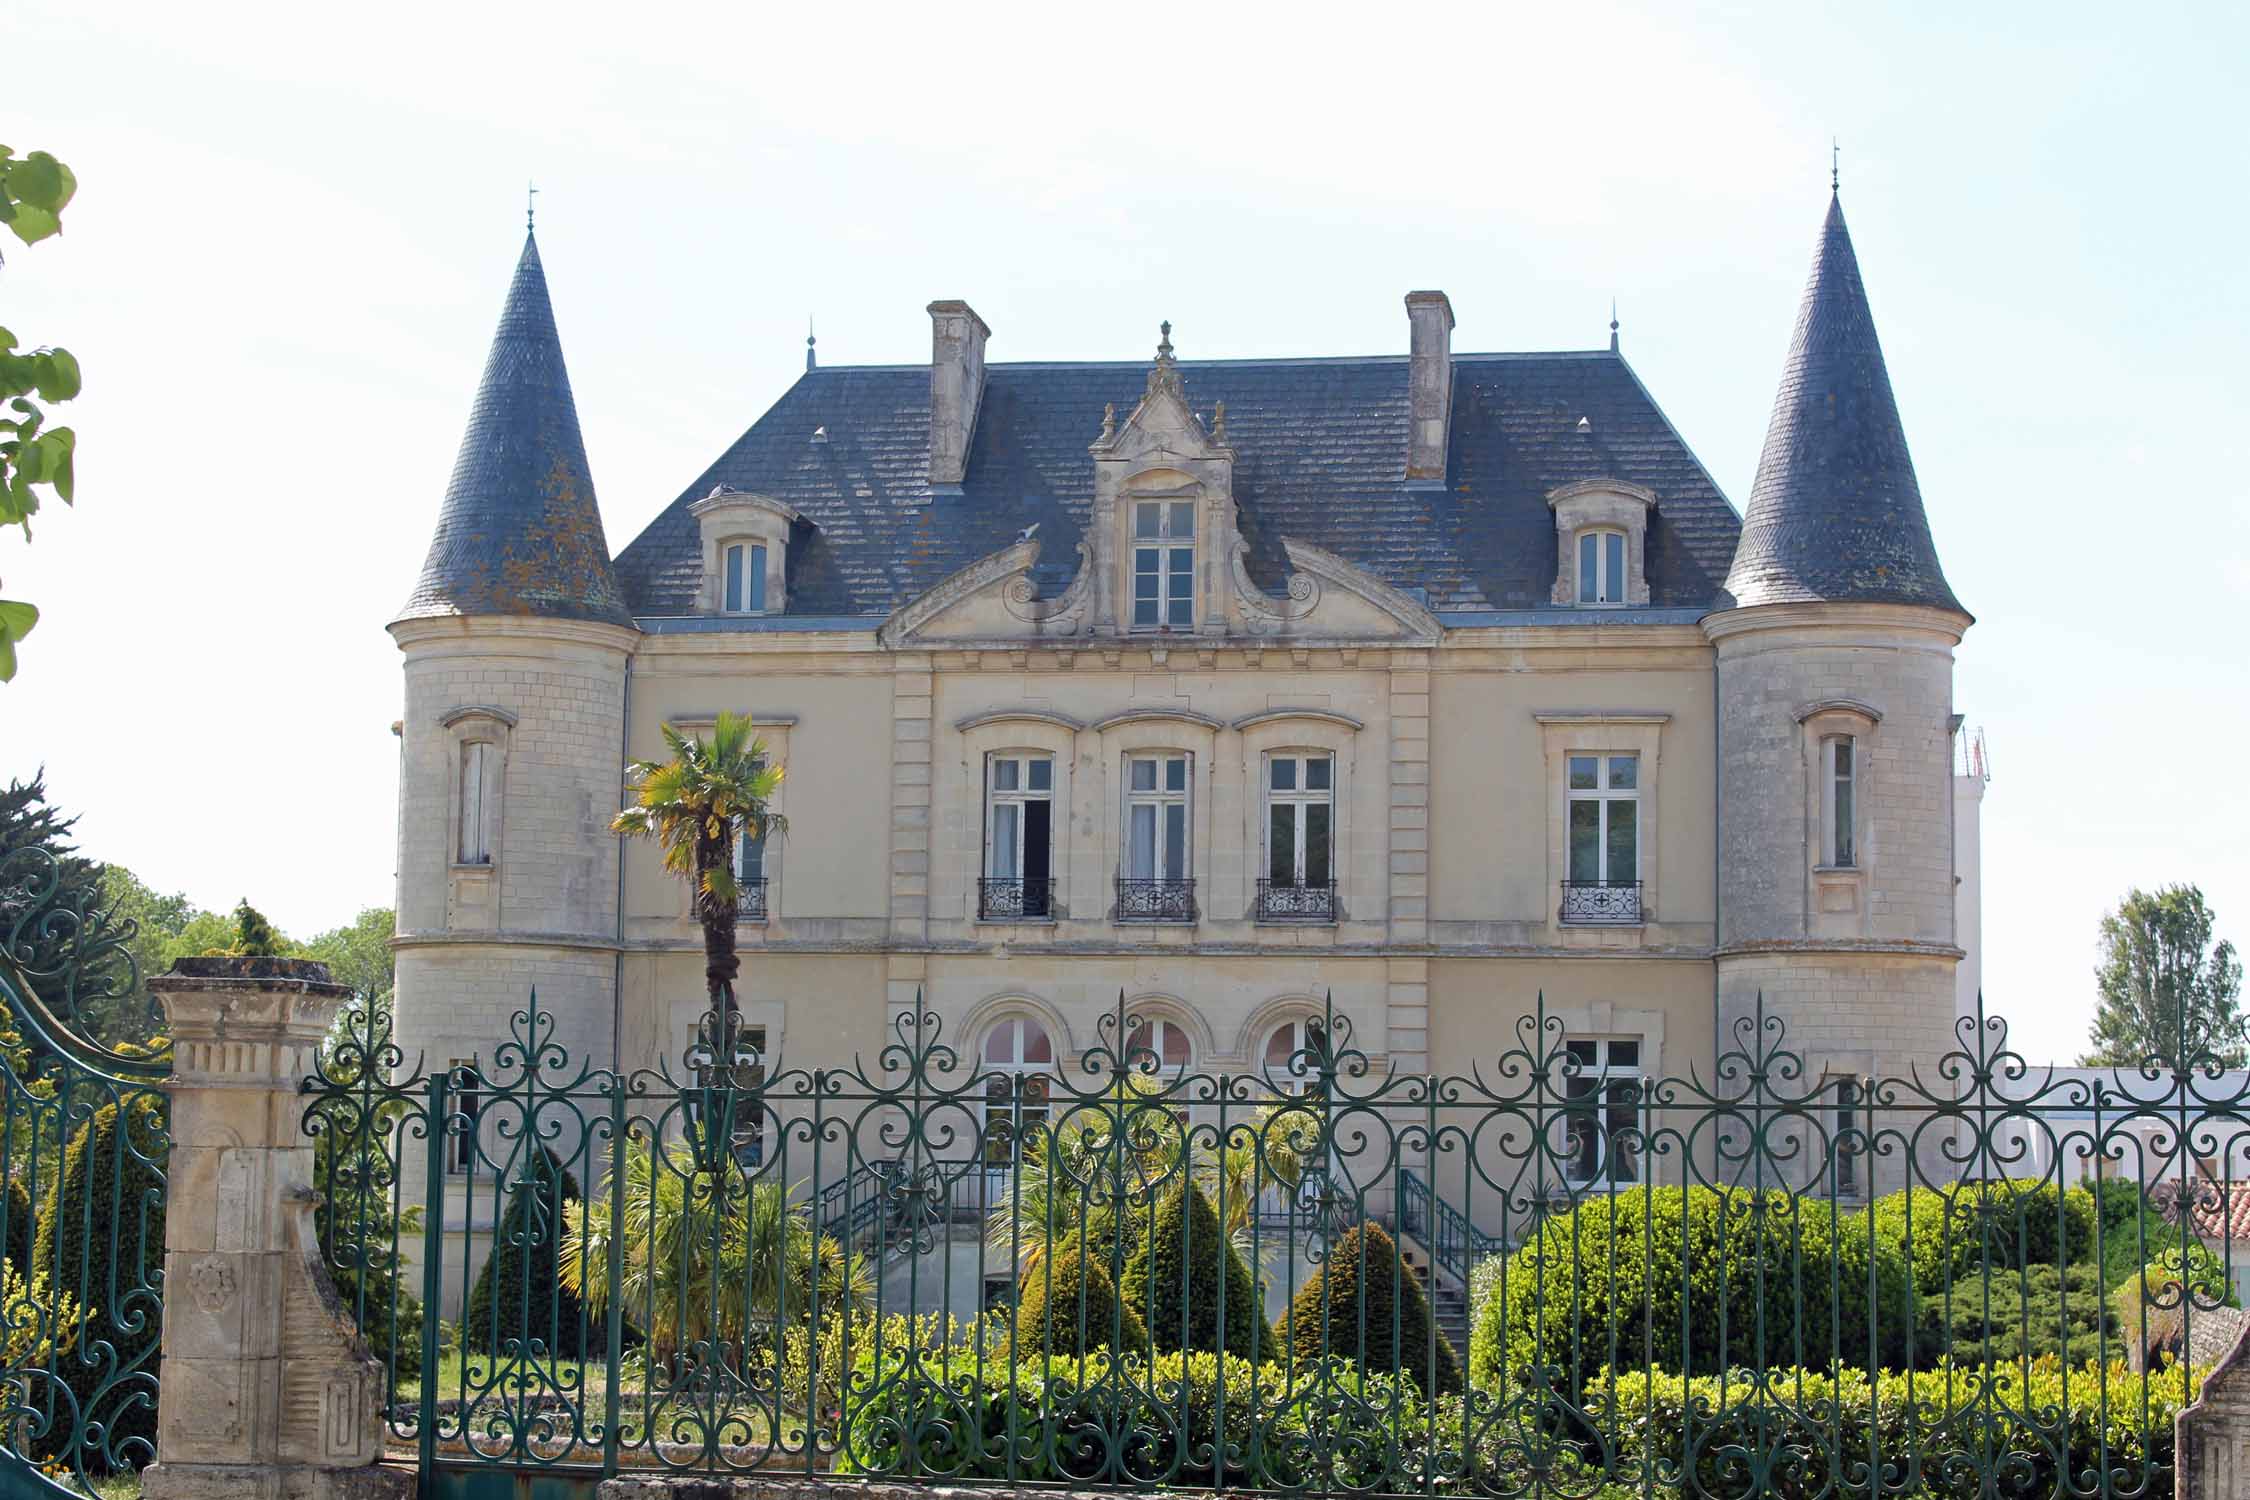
(1409, 833)
(913, 693)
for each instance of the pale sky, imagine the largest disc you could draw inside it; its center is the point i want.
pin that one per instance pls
(295, 225)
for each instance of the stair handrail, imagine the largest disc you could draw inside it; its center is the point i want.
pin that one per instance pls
(1454, 1242)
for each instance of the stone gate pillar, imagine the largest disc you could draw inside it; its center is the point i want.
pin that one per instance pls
(264, 1390)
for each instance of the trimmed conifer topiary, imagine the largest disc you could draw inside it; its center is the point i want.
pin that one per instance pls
(1173, 1282)
(103, 1229)
(1365, 1304)
(517, 1297)
(23, 1224)
(1070, 1306)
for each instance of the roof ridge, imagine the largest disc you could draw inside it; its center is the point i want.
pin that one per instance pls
(1263, 361)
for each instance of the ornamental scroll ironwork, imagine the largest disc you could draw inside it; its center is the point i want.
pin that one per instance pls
(1733, 1315)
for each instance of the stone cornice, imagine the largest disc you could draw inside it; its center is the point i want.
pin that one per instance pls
(1951, 624)
(1794, 946)
(1867, 711)
(1158, 716)
(719, 502)
(1277, 715)
(1579, 487)
(1602, 715)
(455, 715)
(444, 938)
(428, 629)
(1019, 716)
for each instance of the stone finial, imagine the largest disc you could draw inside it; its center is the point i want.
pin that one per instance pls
(1219, 423)
(1109, 422)
(1165, 375)
(265, 1389)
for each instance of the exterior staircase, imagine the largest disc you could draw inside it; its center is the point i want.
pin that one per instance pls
(1442, 1247)
(1449, 1298)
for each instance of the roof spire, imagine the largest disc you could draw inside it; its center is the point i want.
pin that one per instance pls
(519, 532)
(1835, 162)
(810, 362)
(1613, 325)
(530, 202)
(1836, 513)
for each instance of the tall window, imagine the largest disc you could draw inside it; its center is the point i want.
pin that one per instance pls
(1601, 567)
(1601, 1093)
(750, 1114)
(1164, 565)
(1018, 837)
(1156, 885)
(1840, 774)
(1292, 1063)
(745, 578)
(1300, 838)
(480, 762)
(467, 1102)
(1847, 1143)
(750, 872)
(1019, 1057)
(1167, 1041)
(1605, 829)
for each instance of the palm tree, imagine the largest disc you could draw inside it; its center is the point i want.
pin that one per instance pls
(695, 804)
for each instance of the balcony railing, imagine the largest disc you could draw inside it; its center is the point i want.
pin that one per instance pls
(750, 905)
(1155, 900)
(1595, 903)
(1015, 900)
(1296, 901)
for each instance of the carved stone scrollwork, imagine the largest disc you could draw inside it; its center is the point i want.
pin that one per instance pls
(1262, 614)
(1065, 614)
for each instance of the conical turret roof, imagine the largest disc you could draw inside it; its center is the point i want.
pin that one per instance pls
(1836, 514)
(519, 532)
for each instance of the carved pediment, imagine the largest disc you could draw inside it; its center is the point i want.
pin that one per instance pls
(993, 596)
(1327, 598)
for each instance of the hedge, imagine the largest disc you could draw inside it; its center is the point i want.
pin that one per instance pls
(1693, 1280)
(1937, 1433)
(2008, 1223)
(23, 1224)
(1175, 1420)
(103, 1230)
(1070, 1306)
(2015, 1315)
(1174, 1282)
(517, 1297)
(1364, 1291)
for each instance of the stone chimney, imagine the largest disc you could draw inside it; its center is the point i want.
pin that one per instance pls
(1429, 386)
(957, 338)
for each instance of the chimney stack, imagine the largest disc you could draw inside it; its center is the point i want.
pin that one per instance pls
(957, 338)
(1429, 386)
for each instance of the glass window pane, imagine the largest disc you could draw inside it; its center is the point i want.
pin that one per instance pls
(1144, 775)
(1147, 563)
(1180, 611)
(1175, 842)
(1583, 772)
(1144, 612)
(1843, 823)
(1585, 1054)
(1586, 568)
(1037, 1047)
(1316, 773)
(1146, 520)
(1625, 841)
(1281, 844)
(1140, 844)
(999, 1044)
(1183, 519)
(1624, 771)
(1175, 774)
(1006, 826)
(1172, 1045)
(750, 858)
(1625, 1054)
(1284, 773)
(1843, 760)
(1585, 836)
(1283, 1045)
(1316, 844)
(1042, 775)
(1004, 774)
(757, 578)
(734, 578)
(1613, 571)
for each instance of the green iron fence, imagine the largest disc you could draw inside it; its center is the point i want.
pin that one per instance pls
(83, 1145)
(1772, 1282)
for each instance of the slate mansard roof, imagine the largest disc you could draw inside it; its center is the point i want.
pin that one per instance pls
(519, 532)
(1320, 445)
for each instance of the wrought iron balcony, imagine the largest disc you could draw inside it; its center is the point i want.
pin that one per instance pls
(1296, 901)
(1596, 903)
(1015, 900)
(750, 904)
(1155, 900)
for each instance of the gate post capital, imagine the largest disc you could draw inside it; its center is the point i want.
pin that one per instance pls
(265, 1388)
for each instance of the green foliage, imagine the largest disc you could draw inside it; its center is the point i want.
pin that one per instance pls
(1695, 1280)
(2145, 1238)
(1180, 1271)
(359, 953)
(2037, 1312)
(1951, 1434)
(2166, 993)
(34, 190)
(157, 921)
(101, 1242)
(254, 936)
(29, 821)
(1068, 1305)
(1366, 1304)
(2156, 1305)
(2008, 1223)
(22, 1225)
(517, 1298)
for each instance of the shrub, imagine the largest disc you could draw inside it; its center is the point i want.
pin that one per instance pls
(2015, 1315)
(101, 1232)
(1070, 1306)
(22, 1225)
(36, 1324)
(2008, 1223)
(1941, 1433)
(517, 1298)
(2155, 1307)
(1694, 1280)
(1174, 1281)
(1364, 1290)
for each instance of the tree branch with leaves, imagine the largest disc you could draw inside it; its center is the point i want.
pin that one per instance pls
(34, 190)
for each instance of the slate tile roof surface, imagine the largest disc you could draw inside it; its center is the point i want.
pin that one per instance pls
(1836, 512)
(1320, 449)
(519, 532)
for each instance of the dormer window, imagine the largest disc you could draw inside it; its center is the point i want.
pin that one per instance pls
(745, 552)
(1601, 566)
(1164, 565)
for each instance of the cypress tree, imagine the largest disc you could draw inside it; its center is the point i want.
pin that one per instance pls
(518, 1296)
(1070, 1306)
(1173, 1281)
(1365, 1286)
